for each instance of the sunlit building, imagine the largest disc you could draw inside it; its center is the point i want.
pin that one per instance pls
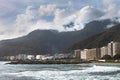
(30, 57)
(104, 51)
(77, 53)
(116, 48)
(21, 57)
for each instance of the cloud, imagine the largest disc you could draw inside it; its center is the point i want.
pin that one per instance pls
(30, 15)
(6, 32)
(83, 16)
(23, 21)
(88, 13)
(111, 9)
(21, 26)
(109, 26)
(59, 15)
(47, 10)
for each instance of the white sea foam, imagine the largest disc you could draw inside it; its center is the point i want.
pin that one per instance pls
(101, 69)
(65, 75)
(4, 62)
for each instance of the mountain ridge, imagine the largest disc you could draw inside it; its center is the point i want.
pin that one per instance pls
(98, 40)
(49, 41)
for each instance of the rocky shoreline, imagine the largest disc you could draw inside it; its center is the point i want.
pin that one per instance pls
(62, 62)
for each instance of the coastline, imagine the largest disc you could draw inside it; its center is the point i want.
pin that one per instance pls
(105, 63)
(65, 62)
(47, 62)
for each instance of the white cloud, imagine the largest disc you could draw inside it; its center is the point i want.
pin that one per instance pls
(111, 9)
(87, 14)
(42, 24)
(25, 23)
(81, 17)
(59, 15)
(47, 10)
(6, 32)
(109, 26)
(22, 25)
(26, 17)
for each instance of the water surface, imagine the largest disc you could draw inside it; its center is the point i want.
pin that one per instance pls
(59, 72)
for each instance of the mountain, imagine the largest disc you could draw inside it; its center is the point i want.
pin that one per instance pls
(36, 42)
(98, 40)
(50, 41)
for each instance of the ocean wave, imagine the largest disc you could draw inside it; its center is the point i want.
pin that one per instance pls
(4, 62)
(58, 75)
(101, 69)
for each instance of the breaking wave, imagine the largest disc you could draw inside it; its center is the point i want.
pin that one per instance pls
(101, 69)
(67, 75)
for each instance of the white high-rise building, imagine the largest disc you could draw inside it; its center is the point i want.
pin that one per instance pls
(21, 57)
(116, 48)
(38, 57)
(84, 54)
(104, 51)
(110, 48)
(77, 53)
(30, 57)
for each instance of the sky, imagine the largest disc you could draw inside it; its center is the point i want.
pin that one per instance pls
(19, 17)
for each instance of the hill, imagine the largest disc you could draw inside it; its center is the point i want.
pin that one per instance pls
(98, 40)
(50, 41)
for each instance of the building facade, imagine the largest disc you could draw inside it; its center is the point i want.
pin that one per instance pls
(90, 54)
(104, 51)
(38, 57)
(30, 57)
(116, 48)
(93, 54)
(77, 53)
(84, 54)
(110, 48)
(21, 57)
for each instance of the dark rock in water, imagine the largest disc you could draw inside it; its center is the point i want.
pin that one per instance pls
(48, 62)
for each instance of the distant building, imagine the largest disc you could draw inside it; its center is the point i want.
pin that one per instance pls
(93, 54)
(30, 57)
(21, 57)
(12, 58)
(113, 48)
(49, 57)
(110, 48)
(68, 55)
(116, 48)
(43, 57)
(46, 57)
(38, 57)
(90, 54)
(62, 55)
(84, 54)
(58, 56)
(77, 53)
(104, 51)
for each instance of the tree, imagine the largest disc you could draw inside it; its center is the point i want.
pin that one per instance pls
(117, 56)
(107, 57)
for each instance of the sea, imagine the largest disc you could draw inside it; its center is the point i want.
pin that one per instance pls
(59, 72)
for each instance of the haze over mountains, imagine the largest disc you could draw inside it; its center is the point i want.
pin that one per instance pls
(51, 41)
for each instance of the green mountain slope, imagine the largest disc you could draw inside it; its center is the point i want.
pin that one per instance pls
(50, 41)
(99, 40)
